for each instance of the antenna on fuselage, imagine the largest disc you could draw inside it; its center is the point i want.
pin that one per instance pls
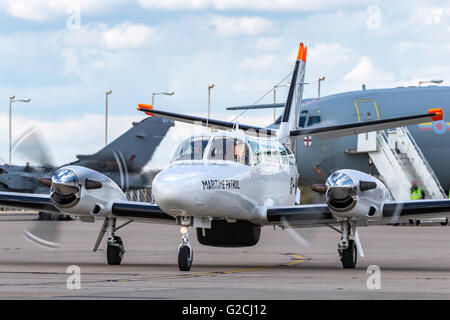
(291, 112)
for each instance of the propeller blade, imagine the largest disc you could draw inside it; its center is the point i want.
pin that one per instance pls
(295, 235)
(32, 146)
(320, 188)
(44, 234)
(358, 245)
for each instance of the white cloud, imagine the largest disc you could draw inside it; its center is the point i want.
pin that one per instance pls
(259, 63)
(365, 71)
(276, 5)
(249, 26)
(43, 10)
(122, 36)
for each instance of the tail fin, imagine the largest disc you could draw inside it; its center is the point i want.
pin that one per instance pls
(291, 114)
(134, 148)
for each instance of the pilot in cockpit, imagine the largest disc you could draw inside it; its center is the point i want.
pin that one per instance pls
(239, 152)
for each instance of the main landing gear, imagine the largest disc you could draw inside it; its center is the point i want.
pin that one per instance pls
(115, 249)
(185, 251)
(347, 247)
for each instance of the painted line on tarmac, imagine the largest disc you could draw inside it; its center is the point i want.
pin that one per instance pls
(295, 259)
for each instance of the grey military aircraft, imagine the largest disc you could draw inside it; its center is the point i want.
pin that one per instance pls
(317, 158)
(122, 160)
(229, 184)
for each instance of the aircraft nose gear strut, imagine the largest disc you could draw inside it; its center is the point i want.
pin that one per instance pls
(115, 249)
(347, 246)
(185, 251)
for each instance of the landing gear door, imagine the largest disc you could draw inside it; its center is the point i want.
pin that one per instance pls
(367, 110)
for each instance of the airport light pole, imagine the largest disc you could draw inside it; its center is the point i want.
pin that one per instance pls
(209, 100)
(11, 100)
(318, 85)
(170, 93)
(275, 97)
(431, 81)
(108, 92)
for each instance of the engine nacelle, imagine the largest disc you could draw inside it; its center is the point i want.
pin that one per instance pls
(357, 195)
(224, 234)
(81, 191)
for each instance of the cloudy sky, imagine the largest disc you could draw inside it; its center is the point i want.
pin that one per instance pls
(64, 55)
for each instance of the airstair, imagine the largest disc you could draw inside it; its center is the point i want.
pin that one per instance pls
(400, 161)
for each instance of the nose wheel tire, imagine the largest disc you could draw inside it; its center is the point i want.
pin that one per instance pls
(115, 252)
(184, 258)
(349, 255)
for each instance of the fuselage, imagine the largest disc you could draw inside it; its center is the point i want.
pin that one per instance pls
(317, 159)
(210, 177)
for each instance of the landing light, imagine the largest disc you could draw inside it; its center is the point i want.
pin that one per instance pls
(183, 230)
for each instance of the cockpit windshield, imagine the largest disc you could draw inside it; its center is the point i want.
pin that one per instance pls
(230, 149)
(191, 149)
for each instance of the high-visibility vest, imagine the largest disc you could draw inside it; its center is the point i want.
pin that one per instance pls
(416, 194)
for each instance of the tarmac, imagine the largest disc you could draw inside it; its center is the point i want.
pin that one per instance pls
(414, 263)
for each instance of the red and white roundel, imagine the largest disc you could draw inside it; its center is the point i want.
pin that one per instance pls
(307, 141)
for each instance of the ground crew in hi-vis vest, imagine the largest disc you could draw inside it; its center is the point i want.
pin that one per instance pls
(416, 193)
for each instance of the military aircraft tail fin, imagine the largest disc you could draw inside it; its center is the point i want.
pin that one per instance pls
(134, 148)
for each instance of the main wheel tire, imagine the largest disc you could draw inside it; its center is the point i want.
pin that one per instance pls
(349, 256)
(43, 216)
(114, 252)
(444, 223)
(184, 258)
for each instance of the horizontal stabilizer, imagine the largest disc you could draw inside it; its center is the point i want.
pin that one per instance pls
(348, 129)
(219, 124)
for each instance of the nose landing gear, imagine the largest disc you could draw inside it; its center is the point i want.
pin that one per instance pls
(185, 251)
(347, 247)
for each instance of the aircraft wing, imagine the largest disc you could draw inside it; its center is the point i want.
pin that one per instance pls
(316, 215)
(348, 129)
(31, 201)
(142, 211)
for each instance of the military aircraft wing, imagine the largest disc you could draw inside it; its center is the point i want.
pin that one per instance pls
(347, 129)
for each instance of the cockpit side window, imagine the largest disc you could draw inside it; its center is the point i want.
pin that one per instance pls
(191, 149)
(284, 156)
(301, 122)
(256, 152)
(229, 149)
(291, 156)
(313, 120)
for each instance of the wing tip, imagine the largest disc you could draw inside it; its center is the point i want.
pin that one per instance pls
(438, 114)
(144, 107)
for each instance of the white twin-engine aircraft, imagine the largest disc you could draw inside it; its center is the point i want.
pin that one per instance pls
(229, 184)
